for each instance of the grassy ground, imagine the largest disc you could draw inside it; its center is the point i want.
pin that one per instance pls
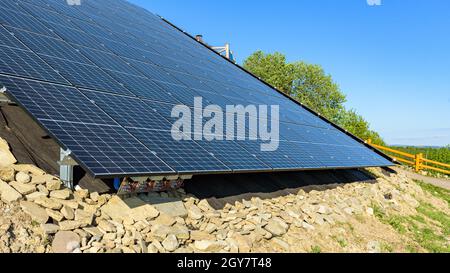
(430, 228)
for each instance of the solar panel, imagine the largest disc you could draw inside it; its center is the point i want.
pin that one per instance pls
(19, 19)
(103, 78)
(49, 46)
(24, 63)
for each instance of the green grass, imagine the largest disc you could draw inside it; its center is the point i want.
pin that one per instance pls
(316, 249)
(385, 247)
(435, 191)
(341, 241)
(435, 154)
(430, 236)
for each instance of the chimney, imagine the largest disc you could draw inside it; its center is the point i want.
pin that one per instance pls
(199, 38)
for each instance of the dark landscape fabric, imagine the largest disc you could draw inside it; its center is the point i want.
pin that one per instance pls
(102, 78)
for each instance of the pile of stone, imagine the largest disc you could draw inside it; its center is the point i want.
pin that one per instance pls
(81, 222)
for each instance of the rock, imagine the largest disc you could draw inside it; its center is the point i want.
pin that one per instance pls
(374, 247)
(8, 194)
(349, 211)
(50, 228)
(28, 168)
(210, 246)
(244, 243)
(170, 243)
(84, 217)
(60, 194)
(180, 231)
(65, 242)
(7, 174)
(164, 219)
(160, 232)
(22, 177)
(94, 231)
(210, 228)
(324, 210)
(55, 215)
(48, 203)
(68, 203)
(204, 206)
(68, 213)
(35, 195)
(134, 208)
(277, 227)
(278, 243)
(194, 212)
(42, 188)
(109, 237)
(36, 212)
(197, 235)
(22, 188)
(308, 226)
(6, 157)
(70, 225)
(94, 196)
(53, 185)
(370, 211)
(106, 226)
(42, 179)
(170, 206)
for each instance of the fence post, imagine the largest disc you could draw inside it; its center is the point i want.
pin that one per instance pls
(418, 162)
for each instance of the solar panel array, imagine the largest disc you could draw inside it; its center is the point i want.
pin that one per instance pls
(103, 77)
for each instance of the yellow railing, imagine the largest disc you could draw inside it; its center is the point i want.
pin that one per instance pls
(417, 161)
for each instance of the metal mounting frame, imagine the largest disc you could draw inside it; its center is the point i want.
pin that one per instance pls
(66, 165)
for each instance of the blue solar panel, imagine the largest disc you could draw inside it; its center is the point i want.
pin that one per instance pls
(25, 63)
(130, 112)
(104, 77)
(183, 156)
(107, 150)
(19, 19)
(9, 40)
(86, 76)
(108, 61)
(53, 47)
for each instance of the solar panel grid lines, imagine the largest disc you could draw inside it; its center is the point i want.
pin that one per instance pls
(184, 156)
(75, 36)
(50, 46)
(24, 21)
(233, 155)
(154, 72)
(126, 69)
(108, 61)
(9, 4)
(144, 88)
(107, 151)
(129, 112)
(86, 76)
(25, 63)
(8, 39)
(45, 13)
(54, 101)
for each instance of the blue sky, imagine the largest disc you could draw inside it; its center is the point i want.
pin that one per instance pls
(392, 61)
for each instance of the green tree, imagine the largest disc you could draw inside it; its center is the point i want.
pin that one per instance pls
(304, 82)
(357, 125)
(310, 85)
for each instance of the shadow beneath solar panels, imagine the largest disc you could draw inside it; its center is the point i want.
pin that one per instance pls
(30, 144)
(223, 189)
